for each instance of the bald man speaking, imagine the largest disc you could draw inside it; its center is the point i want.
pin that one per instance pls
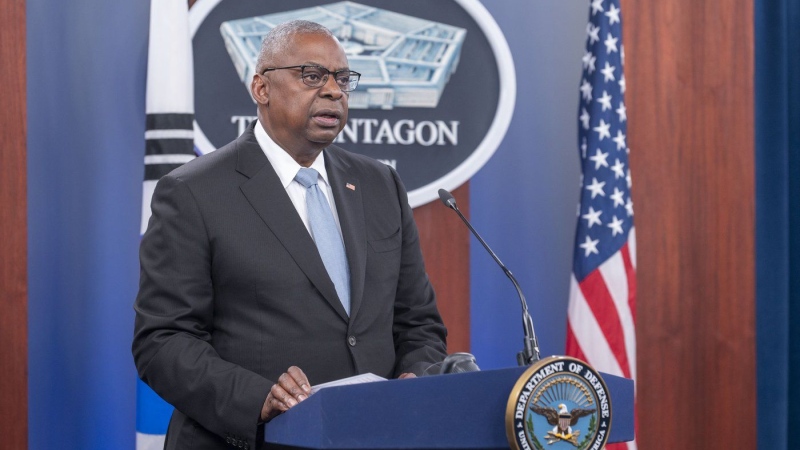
(280, 261)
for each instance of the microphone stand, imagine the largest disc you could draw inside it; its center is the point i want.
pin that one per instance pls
(530, 351)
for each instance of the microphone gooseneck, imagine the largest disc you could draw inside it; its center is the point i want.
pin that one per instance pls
(530, 352)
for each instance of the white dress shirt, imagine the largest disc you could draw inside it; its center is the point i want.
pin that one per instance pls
(286, 168)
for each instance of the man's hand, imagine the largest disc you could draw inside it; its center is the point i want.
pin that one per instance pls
(292, 388)
(406, 375)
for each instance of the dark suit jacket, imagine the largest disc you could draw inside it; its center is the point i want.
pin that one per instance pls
(233, 290)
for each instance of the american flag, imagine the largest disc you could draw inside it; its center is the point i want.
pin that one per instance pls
(601, 317)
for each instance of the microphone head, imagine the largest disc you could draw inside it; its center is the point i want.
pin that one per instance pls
(453, 363)
(459, 363)
(447, 198)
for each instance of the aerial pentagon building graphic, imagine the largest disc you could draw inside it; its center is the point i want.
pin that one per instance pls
(404, 61)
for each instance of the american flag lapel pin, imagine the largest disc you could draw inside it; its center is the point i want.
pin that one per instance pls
(350, 186)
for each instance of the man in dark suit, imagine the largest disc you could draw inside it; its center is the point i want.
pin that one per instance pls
(238, 312)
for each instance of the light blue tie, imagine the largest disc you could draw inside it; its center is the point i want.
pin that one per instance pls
(326, 235)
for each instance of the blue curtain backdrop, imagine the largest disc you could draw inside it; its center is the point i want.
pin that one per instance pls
(777, 30)
(86, 80)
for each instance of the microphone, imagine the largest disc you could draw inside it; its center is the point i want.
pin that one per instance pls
(530, 352)
(459, 363)
(454, 363)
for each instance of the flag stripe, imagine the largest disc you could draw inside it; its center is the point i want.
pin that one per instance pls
(146, 441)
(168, 159)
(595, 292)
(147, 194)
(588, 334)
(630, 273)
(170, 65)
(169, 147)
(616, 281)
(629, 257)
(572, 345)
(169, 134)
(169, 121)
(632, 247)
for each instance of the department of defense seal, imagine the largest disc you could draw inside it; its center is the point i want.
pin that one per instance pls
(560, 402)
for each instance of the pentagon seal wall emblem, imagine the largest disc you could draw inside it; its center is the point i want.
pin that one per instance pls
(437, 86)
(404, 61)
(559, 403)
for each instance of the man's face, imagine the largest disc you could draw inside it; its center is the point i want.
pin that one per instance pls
(302, 118)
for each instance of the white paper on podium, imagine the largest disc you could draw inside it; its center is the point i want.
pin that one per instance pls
(358, 379)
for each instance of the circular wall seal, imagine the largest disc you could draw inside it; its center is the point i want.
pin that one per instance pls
(559, 403)
(436, 94)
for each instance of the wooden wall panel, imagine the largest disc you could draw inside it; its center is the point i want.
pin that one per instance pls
(689, 72)
(13, 230)
(445, 247)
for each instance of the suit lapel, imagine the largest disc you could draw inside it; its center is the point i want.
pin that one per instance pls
(266, 195)
(347, 194)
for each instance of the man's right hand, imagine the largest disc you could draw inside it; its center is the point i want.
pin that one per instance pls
(292, 388)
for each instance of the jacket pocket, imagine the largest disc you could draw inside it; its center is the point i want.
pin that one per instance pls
(388, 244)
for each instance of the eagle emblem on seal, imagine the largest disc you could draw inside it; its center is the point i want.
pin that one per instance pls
(562, 421)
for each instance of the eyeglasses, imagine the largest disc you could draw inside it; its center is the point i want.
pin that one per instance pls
(317, 76)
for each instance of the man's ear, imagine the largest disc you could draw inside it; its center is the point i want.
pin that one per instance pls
(259, 89)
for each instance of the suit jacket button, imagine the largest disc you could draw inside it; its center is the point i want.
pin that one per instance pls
(352, 341)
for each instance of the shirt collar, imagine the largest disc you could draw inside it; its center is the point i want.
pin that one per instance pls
(283, 163)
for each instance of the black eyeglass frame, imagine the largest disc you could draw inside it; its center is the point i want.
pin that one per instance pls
(349, 87)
